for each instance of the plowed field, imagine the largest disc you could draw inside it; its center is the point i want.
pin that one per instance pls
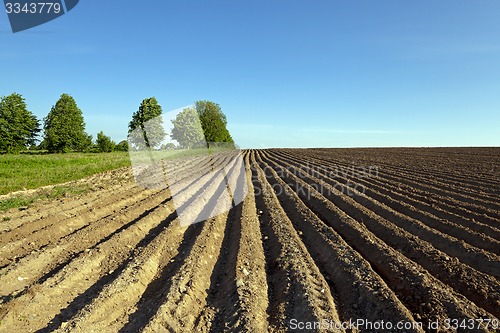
(395, 240)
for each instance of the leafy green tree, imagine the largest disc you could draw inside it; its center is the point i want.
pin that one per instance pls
(213, 122)
(18, 126)
(65, 128)
(88, 144)
(146, 127)
(187, 129)
(122, 146)
(104, 143)
(168, 146)
(42, 145)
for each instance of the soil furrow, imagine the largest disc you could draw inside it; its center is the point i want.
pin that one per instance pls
(44, 301)
(300, 292)
(474, 187)
(431, 300)
(488, 208)
(109, 310)
(48, 215)
(278, 240)
(370, 298)
(22, 243)
(39, 265)
(101, 186)
(450, 167)
(475, 239)
(237, 295)
(403, 195)
(462, 278)
(451, 182)
(369, 211)
(180, 280)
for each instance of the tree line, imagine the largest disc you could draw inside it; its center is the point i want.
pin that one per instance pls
(64, 128)
(196, 127)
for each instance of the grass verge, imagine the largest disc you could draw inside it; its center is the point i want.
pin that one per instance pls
(22, 172)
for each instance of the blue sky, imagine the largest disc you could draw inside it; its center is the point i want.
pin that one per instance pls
(287, 73)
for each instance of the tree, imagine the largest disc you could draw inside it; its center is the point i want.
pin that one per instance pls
(88, 144)
(18, 126)
(42, 145)
(104, 143)
(122, 146)
(187, 129)
(65, 128)
(168, 146)
(213, 122)
(146, 127)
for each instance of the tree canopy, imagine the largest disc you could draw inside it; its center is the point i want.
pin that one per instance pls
(205, 123)
(122, 146)
(104, 143)
(65, 128)
(146, 127)
(187, 129)
(213, 122)
(18, 126)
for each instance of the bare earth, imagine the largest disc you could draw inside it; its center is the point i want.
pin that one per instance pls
(399, 235)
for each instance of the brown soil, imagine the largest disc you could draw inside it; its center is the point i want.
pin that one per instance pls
(417, 239)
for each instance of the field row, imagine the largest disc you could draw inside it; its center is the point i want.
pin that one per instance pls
(320, 236)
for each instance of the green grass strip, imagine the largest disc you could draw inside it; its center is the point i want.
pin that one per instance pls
(20, 172)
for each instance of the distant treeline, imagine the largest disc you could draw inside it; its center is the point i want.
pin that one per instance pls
(63, 128)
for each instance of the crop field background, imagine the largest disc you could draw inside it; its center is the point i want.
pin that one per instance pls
(393, 235)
